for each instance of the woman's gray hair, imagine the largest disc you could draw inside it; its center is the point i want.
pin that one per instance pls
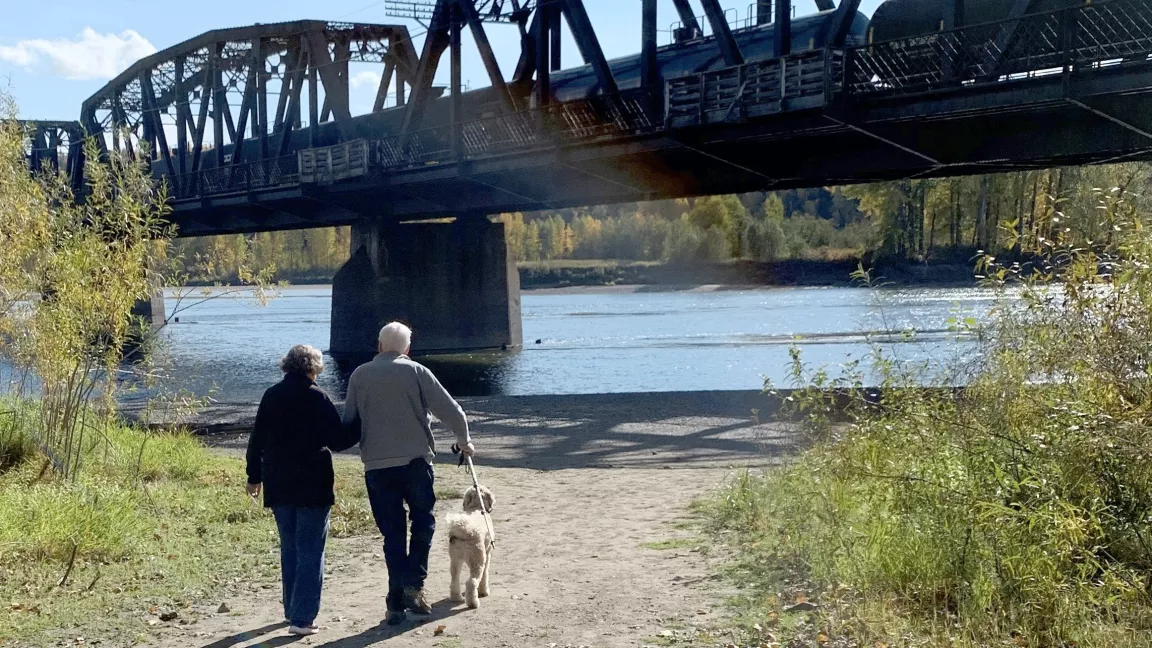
(303, 359)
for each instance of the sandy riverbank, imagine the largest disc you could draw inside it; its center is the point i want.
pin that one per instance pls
(583, 430)
(592, 495)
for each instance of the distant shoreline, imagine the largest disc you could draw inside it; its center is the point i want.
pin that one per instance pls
(559, 277)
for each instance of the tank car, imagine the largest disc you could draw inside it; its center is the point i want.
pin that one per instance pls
(897, 19)
(701, 55)
(909, 30)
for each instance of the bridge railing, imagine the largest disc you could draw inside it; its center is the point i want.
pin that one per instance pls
(797, 81)
(555, 124)
(1047, 43)
(240, 178)
(330, 164)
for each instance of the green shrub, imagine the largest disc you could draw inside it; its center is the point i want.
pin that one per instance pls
(1017, 511)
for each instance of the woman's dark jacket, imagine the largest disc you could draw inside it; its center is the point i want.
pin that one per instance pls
(296, 426)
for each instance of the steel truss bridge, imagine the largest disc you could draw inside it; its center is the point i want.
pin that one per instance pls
(253, 130)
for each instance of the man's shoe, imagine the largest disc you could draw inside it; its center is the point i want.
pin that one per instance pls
(416, 601)
(303, 631)
(396, 617)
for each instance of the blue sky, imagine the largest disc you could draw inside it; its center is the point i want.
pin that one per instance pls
(62, 51)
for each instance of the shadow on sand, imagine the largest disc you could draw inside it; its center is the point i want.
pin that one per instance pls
(637, 430)
(381, 632)
(255, 633)
(441, 610)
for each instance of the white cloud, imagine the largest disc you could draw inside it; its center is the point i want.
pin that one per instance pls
(90, 55)
(366, 78)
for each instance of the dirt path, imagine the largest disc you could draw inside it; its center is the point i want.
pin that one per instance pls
(575, 563)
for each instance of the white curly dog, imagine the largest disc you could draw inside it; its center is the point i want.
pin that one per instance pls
(470, 541)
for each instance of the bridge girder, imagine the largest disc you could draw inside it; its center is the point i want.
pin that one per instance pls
(842, 23)
(539, 23)
(44, 140)
(175, 93)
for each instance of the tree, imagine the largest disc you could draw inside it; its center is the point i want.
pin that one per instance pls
(517, 234)
(586, 237)
(766, 242)
(683, 240)
(711, 211)
(555, 238)
(714, 245)
(77, 269)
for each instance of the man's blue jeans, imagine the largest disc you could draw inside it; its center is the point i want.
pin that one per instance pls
(389, 489)
(303, 533)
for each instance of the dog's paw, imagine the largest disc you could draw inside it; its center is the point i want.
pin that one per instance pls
(483, 593)
(459, 598)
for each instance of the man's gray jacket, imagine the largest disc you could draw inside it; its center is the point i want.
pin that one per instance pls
(392, 396)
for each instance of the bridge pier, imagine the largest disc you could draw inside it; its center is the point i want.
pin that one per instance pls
(151, 310)
(453, 283)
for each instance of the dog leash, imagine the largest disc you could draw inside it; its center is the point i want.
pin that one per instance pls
(476, 484)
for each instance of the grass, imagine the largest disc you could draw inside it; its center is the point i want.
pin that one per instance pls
(676, 632)
(168, 544)
(154, 523)
(1012, 513)
(673, 543)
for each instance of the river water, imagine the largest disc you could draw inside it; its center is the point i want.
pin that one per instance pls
(593, 341)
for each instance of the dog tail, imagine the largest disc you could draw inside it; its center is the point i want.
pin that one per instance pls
(459, 528)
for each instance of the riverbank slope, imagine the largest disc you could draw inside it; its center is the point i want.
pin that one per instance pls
(791, 272)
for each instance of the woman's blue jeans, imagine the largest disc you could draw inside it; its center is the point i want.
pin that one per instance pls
(303, 534)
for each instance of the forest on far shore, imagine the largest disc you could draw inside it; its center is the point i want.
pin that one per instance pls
(919, 220)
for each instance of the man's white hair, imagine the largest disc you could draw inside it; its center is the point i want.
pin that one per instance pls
(395, 338)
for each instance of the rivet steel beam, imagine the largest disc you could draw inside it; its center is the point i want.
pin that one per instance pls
(649, 71)
(687, 16)
(782, 41)
(722, 33)
(841, 24)
(588, 43)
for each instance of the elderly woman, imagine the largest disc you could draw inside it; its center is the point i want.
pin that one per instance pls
(289, 455)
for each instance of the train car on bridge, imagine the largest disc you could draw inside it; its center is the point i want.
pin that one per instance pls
(896, 19)
(756, 43)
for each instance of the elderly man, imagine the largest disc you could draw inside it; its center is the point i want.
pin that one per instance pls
(392, 397)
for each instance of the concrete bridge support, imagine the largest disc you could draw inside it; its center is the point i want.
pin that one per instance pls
(453, 283)
(151, 310)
